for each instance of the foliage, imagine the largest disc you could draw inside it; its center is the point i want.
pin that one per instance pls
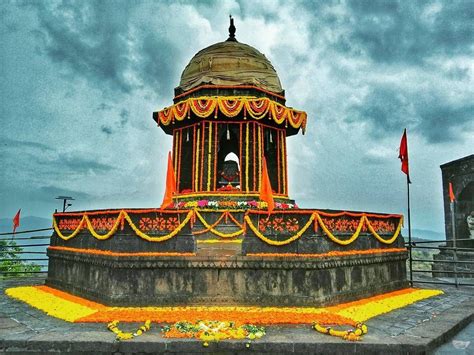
(10, 261)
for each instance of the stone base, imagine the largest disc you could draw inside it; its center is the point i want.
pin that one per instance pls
(243, 280)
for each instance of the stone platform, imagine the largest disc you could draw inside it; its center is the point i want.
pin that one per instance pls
(417, 329)
(130, 261)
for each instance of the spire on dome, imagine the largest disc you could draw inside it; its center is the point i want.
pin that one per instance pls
(231, 30)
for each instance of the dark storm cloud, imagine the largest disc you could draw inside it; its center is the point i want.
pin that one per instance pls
(106, 129)
(47, 192)
(109, 129)
(158, 69)
(408, 31)
(89, 38)
(12, 143)
(388, 110)
(79, 164)
(96, 41)
(124, 115)
(103, 107)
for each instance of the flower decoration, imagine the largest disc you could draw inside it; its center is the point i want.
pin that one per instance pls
(213, 331)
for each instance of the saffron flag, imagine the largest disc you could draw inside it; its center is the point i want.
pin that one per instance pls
(403, 155)
(266, 188)
(170, 184)
(16, 221)
(451, 193)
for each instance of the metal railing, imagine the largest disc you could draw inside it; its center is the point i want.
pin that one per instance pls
(455, 262)
(21, 259)
(14, 256)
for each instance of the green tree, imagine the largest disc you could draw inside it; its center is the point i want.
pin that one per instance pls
(10, 261)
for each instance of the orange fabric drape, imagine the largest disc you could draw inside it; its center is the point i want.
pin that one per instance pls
(170, 184)
(266, 193)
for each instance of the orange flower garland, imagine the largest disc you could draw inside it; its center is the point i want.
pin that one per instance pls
(330, 254)
(257, 108)
(112, 253)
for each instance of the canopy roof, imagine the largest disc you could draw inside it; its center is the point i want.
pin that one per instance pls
(230, 63)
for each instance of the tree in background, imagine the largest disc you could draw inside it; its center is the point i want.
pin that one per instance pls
(10, 261)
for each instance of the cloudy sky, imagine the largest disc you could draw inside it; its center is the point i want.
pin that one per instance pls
(80, 80)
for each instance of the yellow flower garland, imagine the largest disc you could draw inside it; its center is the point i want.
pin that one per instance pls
(216, 232)
(334, 238)
(113, 327)
(122, 215)
(331, 236)
(278, 112)
(73, 234)
(351, 335)
(380, 239)
(161, 238)
(109, 233)
(282, 242)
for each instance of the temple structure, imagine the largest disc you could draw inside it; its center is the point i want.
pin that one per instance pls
(217, 243)
(460, 173)
(229, 112)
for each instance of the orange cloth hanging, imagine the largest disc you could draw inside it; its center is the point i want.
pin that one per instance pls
(170, 184)
(266, 188)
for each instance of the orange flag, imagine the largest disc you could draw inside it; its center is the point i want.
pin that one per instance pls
(16, 221)
(403, 154)
(170, 184)
(451, 193)
(266, 193)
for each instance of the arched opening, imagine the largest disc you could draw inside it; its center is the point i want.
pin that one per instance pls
(270, 137)
(186, 167)
(228, 167)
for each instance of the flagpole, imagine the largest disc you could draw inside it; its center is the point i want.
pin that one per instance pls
(455, 255)
(409, 233)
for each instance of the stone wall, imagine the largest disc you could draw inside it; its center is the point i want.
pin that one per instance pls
(269, 281)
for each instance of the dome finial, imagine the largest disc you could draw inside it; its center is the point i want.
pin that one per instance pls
(231, 30)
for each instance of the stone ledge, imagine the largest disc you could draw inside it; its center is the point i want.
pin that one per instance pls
(228, 262)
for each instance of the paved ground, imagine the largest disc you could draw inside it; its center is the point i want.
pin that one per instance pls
(420, 328)
(461, 343)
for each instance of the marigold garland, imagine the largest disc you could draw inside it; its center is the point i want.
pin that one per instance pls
(112, 253)
(351, 335)
(337, 240)
(379, 238)
(329, 254)
(316, 215)
(113, 327)
(275, 242)
(207, 229)
(257, 108)
(216, 232)
(123, 215)
(161, 238)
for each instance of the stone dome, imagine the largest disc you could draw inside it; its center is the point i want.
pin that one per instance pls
(230, 63)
